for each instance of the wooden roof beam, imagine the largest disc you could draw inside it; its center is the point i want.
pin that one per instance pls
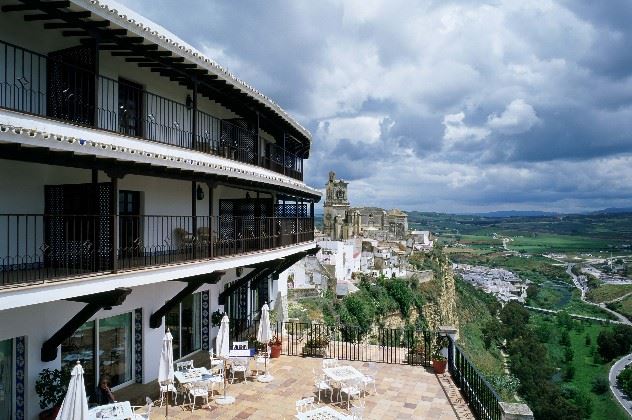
(48, 16)
(33, 6)
(69, 25)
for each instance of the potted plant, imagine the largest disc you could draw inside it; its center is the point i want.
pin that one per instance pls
(439, 361)
(216, 318)
(51, 386)
(316, 346)
(416, 353)
(275, 347)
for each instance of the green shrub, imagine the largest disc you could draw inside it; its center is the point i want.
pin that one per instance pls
(624, 380)
(600, 386)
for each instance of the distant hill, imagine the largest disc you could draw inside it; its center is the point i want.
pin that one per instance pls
(613, 210)
(516, 213)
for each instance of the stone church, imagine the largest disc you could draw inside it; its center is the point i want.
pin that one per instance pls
(341, 221)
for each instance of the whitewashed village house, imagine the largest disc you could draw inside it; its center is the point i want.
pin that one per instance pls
(143, 187)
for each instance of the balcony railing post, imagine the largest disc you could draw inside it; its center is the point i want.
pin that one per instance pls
(114, 226)
(194, 117)
(95, 122)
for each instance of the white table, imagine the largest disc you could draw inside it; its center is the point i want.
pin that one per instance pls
(191, 375)
(115, 411)
(342, 373)
(322, 413)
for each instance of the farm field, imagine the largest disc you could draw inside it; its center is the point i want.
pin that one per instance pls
(608, 292)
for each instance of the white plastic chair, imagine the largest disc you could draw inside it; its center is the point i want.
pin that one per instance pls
(370, 377)
(305, 404)
(239, 366)
(329, 363)
(353, 388)
(147, 410)
(322, 384)
(165, 388)
(357, 412)
(198, 390)
(260, 361)
(184, 366)
(216, 379)
(215, 362)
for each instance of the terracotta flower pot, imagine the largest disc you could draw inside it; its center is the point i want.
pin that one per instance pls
(439, 366)
(275, 351)
(50, 413)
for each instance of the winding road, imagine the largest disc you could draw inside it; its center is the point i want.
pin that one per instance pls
(620, 364)
(623, 399)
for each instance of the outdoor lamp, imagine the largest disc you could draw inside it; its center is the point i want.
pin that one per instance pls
(189, 102)
(199, 192)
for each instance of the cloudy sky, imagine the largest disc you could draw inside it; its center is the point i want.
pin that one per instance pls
(440, 105)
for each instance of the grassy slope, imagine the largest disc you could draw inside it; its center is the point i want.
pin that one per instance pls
(607, 292)
(624, 307)
(604, 406)
(473, 314)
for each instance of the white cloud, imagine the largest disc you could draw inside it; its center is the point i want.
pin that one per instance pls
(517, 118)
(457, 131)
(365, 129)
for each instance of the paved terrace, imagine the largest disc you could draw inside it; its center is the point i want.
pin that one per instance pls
(403, 392)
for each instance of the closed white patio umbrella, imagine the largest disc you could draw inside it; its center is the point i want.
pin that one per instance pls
(222, 348)
(264, 335)
(75, 404)
(165, 369)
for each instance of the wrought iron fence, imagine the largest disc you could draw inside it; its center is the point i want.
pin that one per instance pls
(35, 84)
(39, 247)
(344, 342)
(479, 394)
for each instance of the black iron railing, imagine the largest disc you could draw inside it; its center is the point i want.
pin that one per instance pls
(344, 342)
(33, 83)
(478, 393)
(37, 247)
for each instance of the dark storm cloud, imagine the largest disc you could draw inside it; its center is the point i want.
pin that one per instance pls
(453, 105)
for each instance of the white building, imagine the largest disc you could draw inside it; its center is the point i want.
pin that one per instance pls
(419, 240)
(143, 187)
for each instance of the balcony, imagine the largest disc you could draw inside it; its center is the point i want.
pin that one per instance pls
(49, 87)
(37, 248)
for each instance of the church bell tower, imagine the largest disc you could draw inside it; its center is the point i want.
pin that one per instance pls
(335, 207)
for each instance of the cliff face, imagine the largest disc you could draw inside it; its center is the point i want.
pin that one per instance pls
(443, 310)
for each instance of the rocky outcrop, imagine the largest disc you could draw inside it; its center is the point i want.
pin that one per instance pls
(443, 310)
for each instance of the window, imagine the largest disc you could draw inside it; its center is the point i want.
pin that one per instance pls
(184, 322)
(6, 379)
(114, 342)
(115, 348)
(80, 346)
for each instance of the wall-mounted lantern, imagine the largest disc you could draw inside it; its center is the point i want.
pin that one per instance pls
(189, 102)
(199, 193)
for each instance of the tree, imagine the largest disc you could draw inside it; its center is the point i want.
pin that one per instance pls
(565, 339)
(588, 340)
(491, 333)
(532, 291)
(580, 400)
(624, 380)
(514, 317)
(614, 342)
(600, 386)
(568, 355)
(564, 320)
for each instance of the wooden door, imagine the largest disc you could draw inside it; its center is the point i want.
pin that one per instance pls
(71, 85)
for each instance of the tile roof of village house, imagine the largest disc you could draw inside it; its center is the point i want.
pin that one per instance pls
(152, 32)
